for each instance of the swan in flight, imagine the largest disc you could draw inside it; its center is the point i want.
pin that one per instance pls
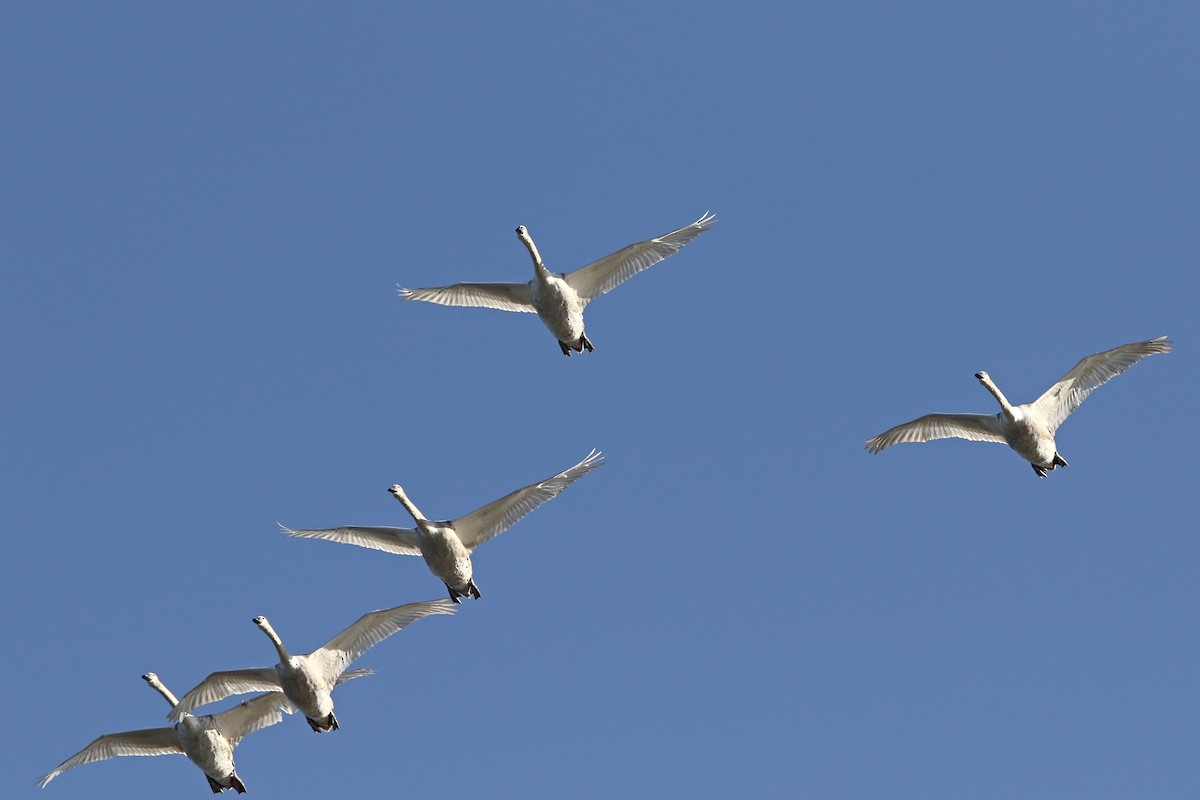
(447, 545)
(308, 680)
(208, 740)
(558, 297)
(1029, 429)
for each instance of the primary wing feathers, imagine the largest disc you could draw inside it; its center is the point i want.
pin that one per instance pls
(611, 271)
(220, 685)
(482, 524)
(1091, 372)
(369, 630)
(400, 541)
(502, 296)
(976, 427)
(145, 742)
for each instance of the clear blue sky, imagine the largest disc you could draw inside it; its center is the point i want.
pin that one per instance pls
(207, 209)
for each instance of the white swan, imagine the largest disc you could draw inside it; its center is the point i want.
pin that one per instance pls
(1029, 429)
(208, 740)
(308, 680)
(557, 297)
(447, 545)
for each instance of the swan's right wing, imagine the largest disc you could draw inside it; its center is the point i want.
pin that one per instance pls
(976, 427)
(352, 674)
(611, 271)
(1090, 373)
(498, 516)
(502, 296)
(220, 685)
(146, 742)
(369, 630)
(252, 715)
(400, 541)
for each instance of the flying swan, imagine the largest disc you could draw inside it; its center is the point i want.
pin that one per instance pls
(447, 545)
(558, 297)
(208, 740)
(308, 680)
(1029, 429)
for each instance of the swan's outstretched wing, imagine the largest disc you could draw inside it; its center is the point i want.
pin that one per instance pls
(146, 742)
(220, 685)
(611, 271)
(504, 296)
(400, 541)
(352, 674)
(482, 524)
(369, 630)
(1093, 371)
(252, 715)
(976, 427)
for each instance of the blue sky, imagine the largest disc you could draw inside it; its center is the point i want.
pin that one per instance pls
(207, 211)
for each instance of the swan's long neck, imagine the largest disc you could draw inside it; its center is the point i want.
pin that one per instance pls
(539, 267)
(266, 628)
(157, 685)
(399, 494)
(991, 386)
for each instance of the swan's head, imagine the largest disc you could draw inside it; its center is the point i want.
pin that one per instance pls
(150, 677)
(527, 240)
(982, 376)
(261, 622)
(396, 491)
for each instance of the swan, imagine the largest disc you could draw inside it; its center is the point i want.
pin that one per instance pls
(557, 297)
(447, 545)
(308, 680)
(208, 740)
(1028, 429)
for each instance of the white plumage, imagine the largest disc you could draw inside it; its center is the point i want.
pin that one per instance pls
(557, 297)
(1028, 429)
(447, 545)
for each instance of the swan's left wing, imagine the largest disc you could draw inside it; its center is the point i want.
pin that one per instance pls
(502, 296)
(975, 427)
(253, 715)
(493, 519)
(399, 541)
(611, 271)
(145, 742)
(369, 630)
(220, 685)
(1093, 371)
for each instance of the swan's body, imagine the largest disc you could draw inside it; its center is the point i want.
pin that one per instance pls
(207, 740)
(447, 545)
(307, 681)
(1029, 428)
(559, 298)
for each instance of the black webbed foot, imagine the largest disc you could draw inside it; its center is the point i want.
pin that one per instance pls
(586, 343)
(216, 787)
(1059, 461)
(1041, 471)
(454, 595)
(566, 350)
(473, 590)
